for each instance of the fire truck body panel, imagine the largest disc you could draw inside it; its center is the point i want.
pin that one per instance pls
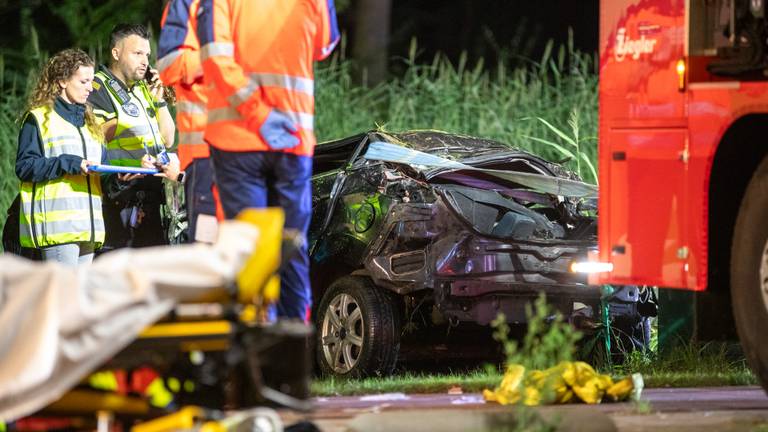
(661, 129)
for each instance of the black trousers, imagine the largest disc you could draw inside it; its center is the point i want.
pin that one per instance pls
(145, 194)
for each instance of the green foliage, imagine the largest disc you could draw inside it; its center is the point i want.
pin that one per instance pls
(580, 153)
(10, 107)
(497, 103)
(690, 364)
(408, 382)
(18, 67)
(476, 381)
(548, 340)
(89, 24)
(689, 356)
(66, 24)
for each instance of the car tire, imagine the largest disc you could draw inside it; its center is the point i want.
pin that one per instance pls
(749, 273)
(358, 329)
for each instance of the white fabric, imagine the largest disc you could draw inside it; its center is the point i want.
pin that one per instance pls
(60, 323)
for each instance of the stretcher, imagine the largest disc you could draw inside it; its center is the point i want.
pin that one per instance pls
(220, 359)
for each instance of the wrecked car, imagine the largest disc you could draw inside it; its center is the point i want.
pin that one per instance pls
(456, 228)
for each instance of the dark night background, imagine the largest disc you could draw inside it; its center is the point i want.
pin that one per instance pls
(483, 27)
(491, 29)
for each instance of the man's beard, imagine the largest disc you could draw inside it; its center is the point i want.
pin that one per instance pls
(133, 76)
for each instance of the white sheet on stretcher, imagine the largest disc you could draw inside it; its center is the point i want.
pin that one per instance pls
(60, 323)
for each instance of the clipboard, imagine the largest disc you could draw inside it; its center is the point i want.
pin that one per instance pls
(114, 169)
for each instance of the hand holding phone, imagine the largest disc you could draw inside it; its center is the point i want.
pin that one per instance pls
(156, 88)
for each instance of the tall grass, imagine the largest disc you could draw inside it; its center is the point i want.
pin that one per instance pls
(548, 107)
(691, 364)
(11, 105)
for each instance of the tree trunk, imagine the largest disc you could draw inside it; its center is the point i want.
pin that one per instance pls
(370, 47)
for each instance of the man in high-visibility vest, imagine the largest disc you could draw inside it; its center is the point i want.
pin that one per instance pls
(128, 101)
(179, 66)
(258, 58)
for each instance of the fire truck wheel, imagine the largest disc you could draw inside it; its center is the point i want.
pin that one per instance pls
(749, 273)
(358, 329)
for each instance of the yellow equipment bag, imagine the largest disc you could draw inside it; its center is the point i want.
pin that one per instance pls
(565, 383)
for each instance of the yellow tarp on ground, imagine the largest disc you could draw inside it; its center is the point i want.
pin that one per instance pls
(568, 382)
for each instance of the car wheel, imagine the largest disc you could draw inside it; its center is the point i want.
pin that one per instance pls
(749, 273)
(358, 329)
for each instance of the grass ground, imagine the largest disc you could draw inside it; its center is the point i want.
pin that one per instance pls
(474, 381)
(692, 365)
(689, 365)
(550, 340)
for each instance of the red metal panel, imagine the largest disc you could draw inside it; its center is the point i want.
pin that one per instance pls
(652, 202)
(643, 136)
(646, 230)
(713, 108)
(641, 44)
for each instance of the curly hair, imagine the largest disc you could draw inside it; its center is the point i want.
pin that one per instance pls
(61, 67)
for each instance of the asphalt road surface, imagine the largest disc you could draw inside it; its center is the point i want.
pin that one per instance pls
(679, 410)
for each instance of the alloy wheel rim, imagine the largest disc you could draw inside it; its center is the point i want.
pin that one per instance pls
(342, 333)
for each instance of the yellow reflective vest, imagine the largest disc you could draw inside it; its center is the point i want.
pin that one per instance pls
(67, 209)
(138, 131)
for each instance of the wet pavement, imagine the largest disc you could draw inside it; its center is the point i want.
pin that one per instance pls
(678, 410)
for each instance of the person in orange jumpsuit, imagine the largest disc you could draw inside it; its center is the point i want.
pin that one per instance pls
(258, 58)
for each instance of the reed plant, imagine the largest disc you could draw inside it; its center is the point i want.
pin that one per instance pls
(547, 107)
(11, 105)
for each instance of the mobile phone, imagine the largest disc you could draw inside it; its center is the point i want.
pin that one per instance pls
(148, 75)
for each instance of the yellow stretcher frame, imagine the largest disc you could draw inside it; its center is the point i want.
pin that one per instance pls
(258, 285)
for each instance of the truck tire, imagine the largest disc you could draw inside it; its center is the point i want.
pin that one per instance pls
(358, 329)
(749, 273)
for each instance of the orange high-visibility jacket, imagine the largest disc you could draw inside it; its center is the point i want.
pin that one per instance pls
(258, 55)
(179, 66)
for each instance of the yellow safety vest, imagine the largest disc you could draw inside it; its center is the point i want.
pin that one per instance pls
(67, 209)
(138, 131)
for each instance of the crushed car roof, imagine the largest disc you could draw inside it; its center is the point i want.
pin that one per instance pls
(436, 152)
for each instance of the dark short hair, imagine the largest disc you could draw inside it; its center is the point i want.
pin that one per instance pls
(122, 31)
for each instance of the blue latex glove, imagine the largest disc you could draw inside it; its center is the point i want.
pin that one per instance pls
(278, 130)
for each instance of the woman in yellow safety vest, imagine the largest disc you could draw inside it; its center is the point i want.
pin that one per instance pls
(60, 200)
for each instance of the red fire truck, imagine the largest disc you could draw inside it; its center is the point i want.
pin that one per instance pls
(683, 154)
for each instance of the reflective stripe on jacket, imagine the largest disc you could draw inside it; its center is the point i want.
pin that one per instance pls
(138, 131)
(179, 66)
(258, 55)
(67, 209)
